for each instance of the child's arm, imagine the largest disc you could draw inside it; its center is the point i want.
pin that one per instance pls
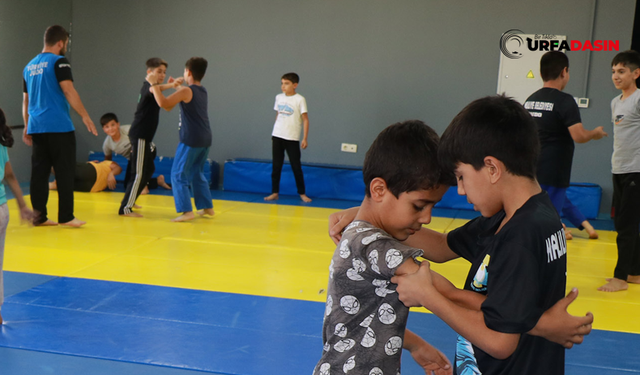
(26, 214)
(182, 94)
(428, 357)
(111, 178)
(305, 127)
(464, 298)
(557, 325)
(417, 290)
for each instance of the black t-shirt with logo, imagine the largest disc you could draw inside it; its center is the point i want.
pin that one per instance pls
(554, 111)
(522, 271)
(145, 121)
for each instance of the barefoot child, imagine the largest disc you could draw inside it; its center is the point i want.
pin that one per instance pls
(143, 129)
(6, 174)
(195, 140)
(625, 165)
(292, 117)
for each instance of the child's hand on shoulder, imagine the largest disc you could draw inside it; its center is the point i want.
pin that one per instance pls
(413, 288)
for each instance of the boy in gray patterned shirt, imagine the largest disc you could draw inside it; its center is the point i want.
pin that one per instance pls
(364, 325)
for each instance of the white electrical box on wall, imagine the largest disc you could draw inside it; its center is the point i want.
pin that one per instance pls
(520, 77)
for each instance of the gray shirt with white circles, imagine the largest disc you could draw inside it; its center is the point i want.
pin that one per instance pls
(364, 320)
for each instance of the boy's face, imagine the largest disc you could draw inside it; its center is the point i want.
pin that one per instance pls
(111, 128)
(161, 72)
(288, 87)
(476, 185)
(623, 77)
(405, 215)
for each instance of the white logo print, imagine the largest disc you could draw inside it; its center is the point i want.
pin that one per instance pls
(350, 305)
(373, 260)
(393, 258)
(381, 287)
(358, 268)
(369, 338)
(344, 345)
(393, 345)
(386, 314)
(344, 249)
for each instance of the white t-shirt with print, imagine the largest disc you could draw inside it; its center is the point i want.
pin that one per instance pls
(288, 124)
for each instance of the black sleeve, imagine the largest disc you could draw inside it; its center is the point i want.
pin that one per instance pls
(569, 112)
(62, 69)
(24, 86)
(463, 241)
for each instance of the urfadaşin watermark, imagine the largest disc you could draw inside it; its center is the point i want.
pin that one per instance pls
(514, 43)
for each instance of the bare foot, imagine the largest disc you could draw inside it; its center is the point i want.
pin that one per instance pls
(53, 185)
(567, 233)
(137, 207)
(634, 279)
(75, 223)
(163, 183)
(48, 223)
(184, 217)
(272, 197)
(305, 198)
(206, 212)
(614, 285)
(593, 235)
(145, 190)
(132, 214)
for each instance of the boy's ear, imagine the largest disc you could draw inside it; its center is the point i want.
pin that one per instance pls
(636, 73)
(495, 168)
(378, 188)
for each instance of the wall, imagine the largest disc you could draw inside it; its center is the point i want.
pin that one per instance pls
(364, 64)
(22, 26)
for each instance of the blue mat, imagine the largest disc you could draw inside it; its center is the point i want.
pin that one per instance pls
(218, 332)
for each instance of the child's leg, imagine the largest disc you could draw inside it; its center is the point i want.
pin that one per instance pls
(40, 171)
(293, 151)
(180, 173)
(4, 221)
(626, 197)
(199, 184)
(63, 152)
(140, 155)
(277, 154)
(573, 214)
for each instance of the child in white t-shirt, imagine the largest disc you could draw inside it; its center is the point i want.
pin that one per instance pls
(290, 120)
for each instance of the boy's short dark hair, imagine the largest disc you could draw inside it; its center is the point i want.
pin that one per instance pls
(55, 34)
(495, 126)
(552, 64)
(293, 77)
(155, 62)
(108, 117)
(629, 58)
(197, 66)
(405, 156)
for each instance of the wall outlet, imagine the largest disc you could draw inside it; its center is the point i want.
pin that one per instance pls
(582, 102)
(349, 147)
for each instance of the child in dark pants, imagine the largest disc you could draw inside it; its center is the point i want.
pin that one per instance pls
(291, 119)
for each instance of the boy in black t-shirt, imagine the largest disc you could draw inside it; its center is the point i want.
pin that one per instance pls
(559, 126)
(141, 133)
(517, 248)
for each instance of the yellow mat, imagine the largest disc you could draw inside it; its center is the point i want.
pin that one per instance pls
(253, 248)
